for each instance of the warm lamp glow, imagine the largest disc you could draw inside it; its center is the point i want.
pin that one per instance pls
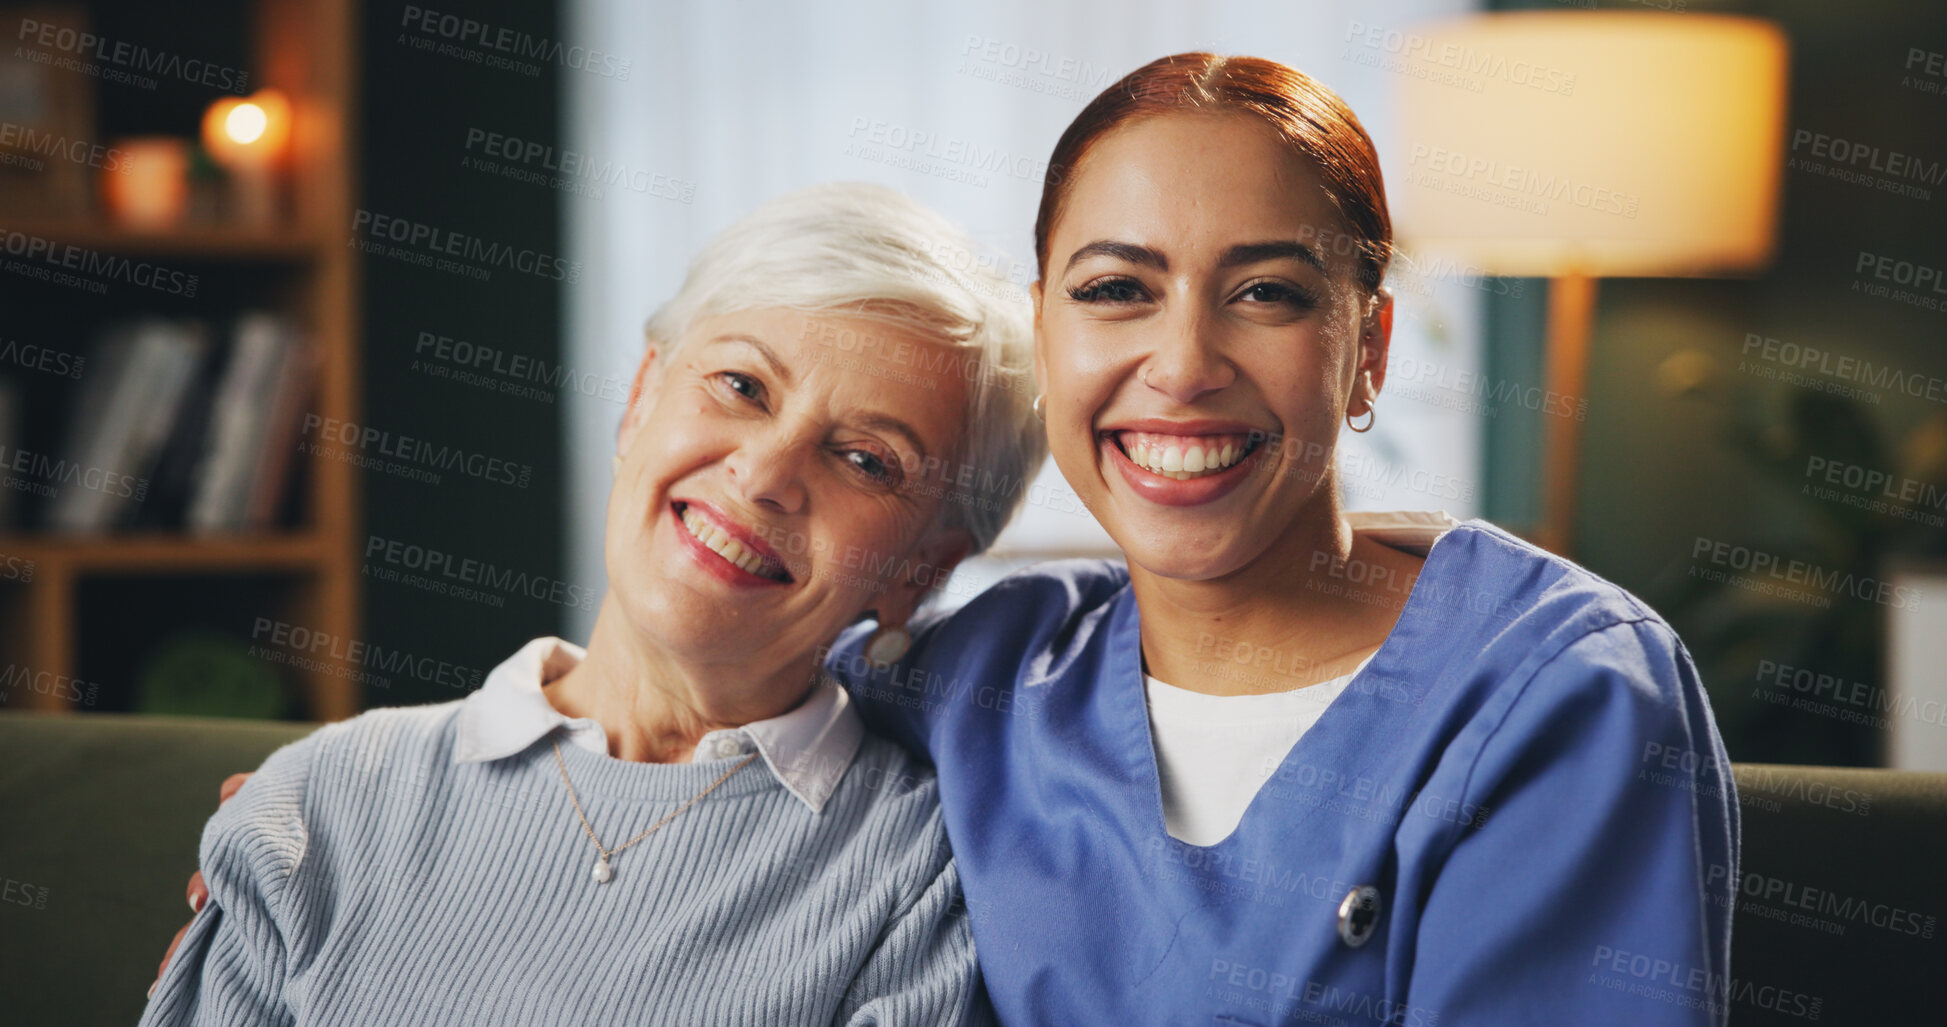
(247, 131)
(1599, 144)
(151, 190)
(245, 124)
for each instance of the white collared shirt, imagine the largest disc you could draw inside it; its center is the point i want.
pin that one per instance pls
(808, 749)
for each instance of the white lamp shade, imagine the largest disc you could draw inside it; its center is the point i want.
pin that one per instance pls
(1602, 144)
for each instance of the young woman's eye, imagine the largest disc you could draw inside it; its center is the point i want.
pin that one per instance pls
(1276, 292)
(742, 384)
(874, 467)
(1109, 290)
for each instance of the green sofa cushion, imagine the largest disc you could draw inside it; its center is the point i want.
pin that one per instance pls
(1841, 883)
(103, 813)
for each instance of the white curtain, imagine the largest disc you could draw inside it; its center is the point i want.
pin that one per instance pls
(727, 104)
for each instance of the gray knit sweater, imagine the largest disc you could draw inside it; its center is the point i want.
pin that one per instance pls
(363, 877)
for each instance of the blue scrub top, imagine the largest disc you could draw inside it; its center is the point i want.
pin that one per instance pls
(1527, 774)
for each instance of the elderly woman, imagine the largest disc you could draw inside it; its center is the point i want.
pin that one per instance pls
(684, 823)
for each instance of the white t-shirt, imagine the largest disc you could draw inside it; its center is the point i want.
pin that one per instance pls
(1213, 752)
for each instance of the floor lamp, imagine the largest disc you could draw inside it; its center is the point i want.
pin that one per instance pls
(1580, 145)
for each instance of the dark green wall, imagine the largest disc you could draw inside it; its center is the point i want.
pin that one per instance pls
(415, 112)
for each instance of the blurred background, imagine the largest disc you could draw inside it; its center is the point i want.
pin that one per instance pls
(316, 318)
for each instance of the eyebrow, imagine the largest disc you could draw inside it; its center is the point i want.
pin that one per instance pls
(884, 422)
(1258, 252)
(1128, 251)
(769, 354)
(1236, 256)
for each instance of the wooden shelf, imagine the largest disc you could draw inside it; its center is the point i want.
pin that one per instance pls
(202, 242)
(306, 49)
(169, 552)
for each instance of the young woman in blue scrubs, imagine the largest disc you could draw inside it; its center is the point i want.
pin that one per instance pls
(1292, 766)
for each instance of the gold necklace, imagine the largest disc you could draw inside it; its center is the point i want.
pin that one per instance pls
(602, 873)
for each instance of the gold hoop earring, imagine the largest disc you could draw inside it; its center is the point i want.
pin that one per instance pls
(1041, 407)
(1372, 414)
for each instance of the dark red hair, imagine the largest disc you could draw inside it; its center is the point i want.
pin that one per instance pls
(1309, 117)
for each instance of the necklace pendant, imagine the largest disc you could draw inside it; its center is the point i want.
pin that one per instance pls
(602, 873)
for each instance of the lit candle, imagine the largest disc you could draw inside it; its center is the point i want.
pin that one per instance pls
(247, 136)
(150, 188)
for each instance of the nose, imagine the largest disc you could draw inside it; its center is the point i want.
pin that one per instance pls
(1189, 363)
(764, 471)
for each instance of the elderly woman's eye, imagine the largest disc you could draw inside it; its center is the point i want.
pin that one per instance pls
(871, 465)
(1109, 290)
(744, 385)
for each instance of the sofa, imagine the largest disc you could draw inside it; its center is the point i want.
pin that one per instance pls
(1844, 875)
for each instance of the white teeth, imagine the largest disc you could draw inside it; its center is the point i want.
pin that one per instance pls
(717, 541)
(1184, 462)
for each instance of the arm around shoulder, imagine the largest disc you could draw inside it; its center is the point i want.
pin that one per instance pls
(233, 964)
(923, 970)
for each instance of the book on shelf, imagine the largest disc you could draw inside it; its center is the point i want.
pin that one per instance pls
(255, 413)
(172, 432)
(122, 422)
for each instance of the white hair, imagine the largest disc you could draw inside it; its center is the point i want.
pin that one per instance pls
(869, 251)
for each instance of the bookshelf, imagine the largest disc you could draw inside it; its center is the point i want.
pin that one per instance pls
(82, 607)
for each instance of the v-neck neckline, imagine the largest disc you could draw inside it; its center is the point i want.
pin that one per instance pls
(1333, 740)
